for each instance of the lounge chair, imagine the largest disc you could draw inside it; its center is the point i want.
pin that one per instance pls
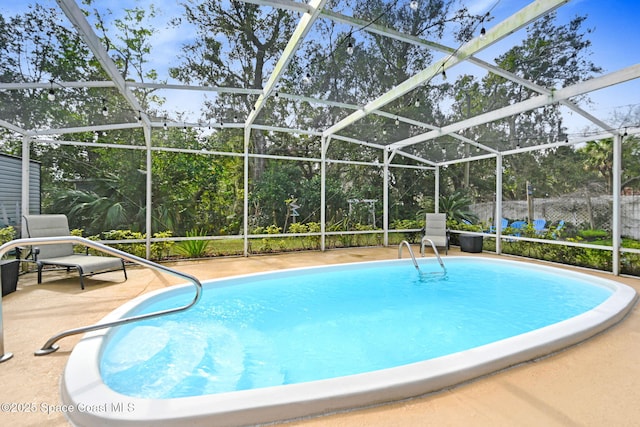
(63, 254)
(435, 229)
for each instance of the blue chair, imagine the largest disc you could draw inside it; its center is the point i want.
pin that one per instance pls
(504, 223)
(539, 225)
(518, 226)
(559, 227)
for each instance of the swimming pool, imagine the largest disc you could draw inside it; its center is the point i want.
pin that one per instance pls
(262, 345)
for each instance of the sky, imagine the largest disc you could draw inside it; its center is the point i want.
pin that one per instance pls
(614, 40)
(614, 46)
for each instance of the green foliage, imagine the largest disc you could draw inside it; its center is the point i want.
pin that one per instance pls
(455, 225)
(457, 206)
(409, 224)
(267, 244)
(630, 262)
(196, 248)
(308, 242)
(137, 249)
(273, 229)
(158, 249)
(7, 234)
(591, 235)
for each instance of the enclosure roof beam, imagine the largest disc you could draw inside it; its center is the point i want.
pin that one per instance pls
(303, 28)
(80, 129)
(13, 127)
(219, 89)
(620, 76)
(468, 159)
(357, 141)
(510, 25)
(283, 4)
(38, 85)
(285, 130)
(413, 157)
(316, 133)
(78, 19)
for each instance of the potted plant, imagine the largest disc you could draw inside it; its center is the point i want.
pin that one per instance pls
(9, 268)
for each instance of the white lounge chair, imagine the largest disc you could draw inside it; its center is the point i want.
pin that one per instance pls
(435, 229)
(63, 254)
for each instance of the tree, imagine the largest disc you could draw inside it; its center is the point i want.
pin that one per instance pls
(598, 158)
(552, 55)
(249, 42)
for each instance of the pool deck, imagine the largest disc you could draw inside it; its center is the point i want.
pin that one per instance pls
(594, 383)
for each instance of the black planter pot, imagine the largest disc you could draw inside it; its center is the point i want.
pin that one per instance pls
(470, 243)
(9, 275)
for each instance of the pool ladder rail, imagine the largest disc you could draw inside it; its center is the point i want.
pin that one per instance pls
(413, 257)
(49, 346)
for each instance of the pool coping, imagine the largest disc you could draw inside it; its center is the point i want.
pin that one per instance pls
(90, 402)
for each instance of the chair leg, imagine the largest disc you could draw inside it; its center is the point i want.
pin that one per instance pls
(39, 273)
(124, 270)
(81, 277)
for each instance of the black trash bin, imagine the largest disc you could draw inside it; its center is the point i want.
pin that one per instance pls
(9, 275)
(470, 243)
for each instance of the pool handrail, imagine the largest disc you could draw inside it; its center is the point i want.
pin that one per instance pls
(435, 250)
(49, 346)
(413, 257)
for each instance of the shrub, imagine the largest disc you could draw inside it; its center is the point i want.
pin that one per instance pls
(7, 234)
(196, 248)
(137, 249)
(158, 249)
(408, 224)
(308, 242)
(591, 235)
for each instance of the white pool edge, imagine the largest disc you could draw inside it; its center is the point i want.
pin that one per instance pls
(92, 403)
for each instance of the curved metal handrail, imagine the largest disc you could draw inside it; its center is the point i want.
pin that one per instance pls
(413, 257)
(435, 251)
(49, 346)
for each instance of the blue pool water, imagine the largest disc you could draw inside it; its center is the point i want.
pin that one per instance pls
(311, 324)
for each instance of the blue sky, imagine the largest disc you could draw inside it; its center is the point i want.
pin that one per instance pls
(614, 46)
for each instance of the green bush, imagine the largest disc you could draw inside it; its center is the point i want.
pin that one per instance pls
(137, 249)
(591, 235)
(7, 234)
(158, 249)
(409, 224)
(629, 262)
(308, 242)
